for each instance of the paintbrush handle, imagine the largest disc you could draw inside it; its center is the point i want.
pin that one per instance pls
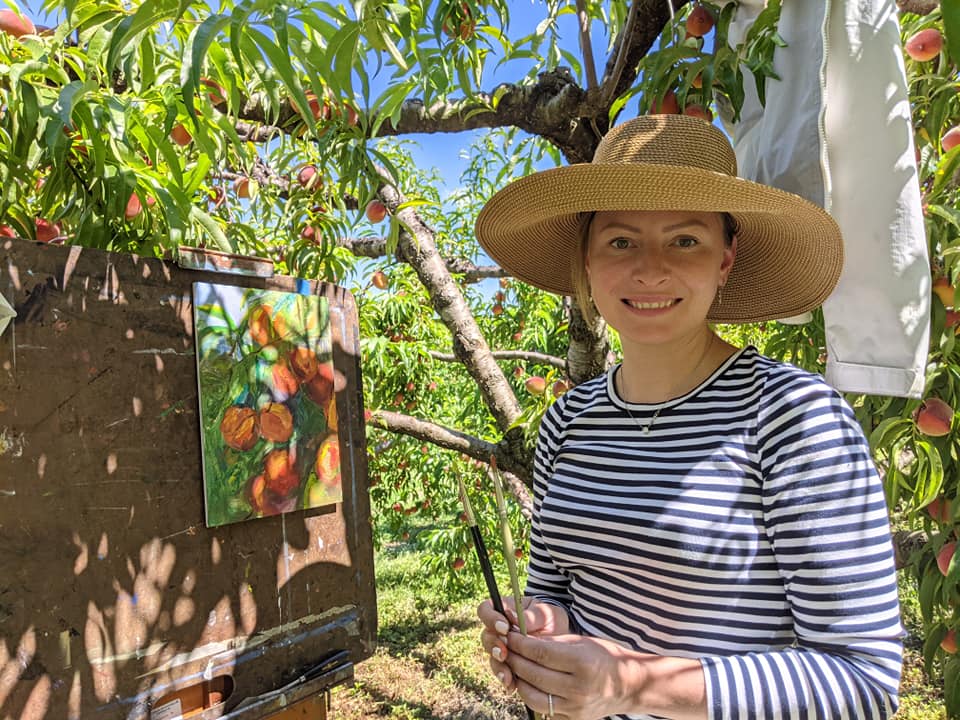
(487, 570)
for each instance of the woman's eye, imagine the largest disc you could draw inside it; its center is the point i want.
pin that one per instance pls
(620, 243)
(687, 242)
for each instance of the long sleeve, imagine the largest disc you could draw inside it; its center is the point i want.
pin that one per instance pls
(827, 522)
(545, 580)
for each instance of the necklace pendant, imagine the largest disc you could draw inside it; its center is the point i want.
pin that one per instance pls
(646, 430)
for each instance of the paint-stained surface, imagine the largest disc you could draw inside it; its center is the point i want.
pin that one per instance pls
(112, 590)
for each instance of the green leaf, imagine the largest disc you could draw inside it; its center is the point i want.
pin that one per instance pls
(194, 53)
(950, 11)
(150, 13)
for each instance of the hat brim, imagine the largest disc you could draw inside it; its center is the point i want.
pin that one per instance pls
(789, 251)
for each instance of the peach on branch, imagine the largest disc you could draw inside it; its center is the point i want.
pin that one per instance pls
(934, 417)
(459, 22)
(180, 135)
(949, 642)
(7, 231)
(458, 563)
(559, 388)
(380, 280)
(47, 231)
(945, 556)
(134, 207)
(328, 461)
(376, 211)
(497, 309)
(924, 45)
(699, 21)
(280, 472)
(15, 25)
(309, 178)
(950, 139)
(699, 111)
(239, 427)
(536, 385)
(242, 187)
(276, 422)
(255, 492)
(215, 91)
(939, 510)
(944, 290)
(667, 105)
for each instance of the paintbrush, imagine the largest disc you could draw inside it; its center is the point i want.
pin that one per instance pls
(481, 549)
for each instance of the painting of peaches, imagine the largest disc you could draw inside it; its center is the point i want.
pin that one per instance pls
(268, 407)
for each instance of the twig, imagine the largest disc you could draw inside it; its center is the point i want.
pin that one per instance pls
(611, 82)
(586, 45)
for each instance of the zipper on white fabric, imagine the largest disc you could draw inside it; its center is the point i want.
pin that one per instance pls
(822, 112)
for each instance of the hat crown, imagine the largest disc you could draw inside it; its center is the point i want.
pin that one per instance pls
(668, 140)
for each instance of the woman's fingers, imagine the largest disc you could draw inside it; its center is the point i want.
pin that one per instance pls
(540, 701)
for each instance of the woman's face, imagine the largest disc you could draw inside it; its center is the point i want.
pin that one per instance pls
(654, 275)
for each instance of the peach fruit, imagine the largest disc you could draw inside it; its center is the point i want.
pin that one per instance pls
(376, 211)
(699, 21)
(276, 422)
(536, 385)
(239, 427)
(934, 417)
(924, 45)
(380, 280)
(945, 556)
(180, 135)
(15, 25)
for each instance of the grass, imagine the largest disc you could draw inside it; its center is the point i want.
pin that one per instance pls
(429, 664)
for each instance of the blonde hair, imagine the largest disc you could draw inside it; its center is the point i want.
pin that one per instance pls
(578, 270)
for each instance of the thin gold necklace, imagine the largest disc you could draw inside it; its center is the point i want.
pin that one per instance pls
(646, 428)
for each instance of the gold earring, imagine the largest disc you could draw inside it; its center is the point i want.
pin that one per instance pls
(720, 295)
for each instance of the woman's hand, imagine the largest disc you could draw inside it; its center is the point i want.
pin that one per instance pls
(587, 677)
(542, 620)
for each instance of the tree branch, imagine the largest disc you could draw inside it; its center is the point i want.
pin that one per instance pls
(375, 247)
(529, 356)
(450, 439)
(920, 7)
(586, 46)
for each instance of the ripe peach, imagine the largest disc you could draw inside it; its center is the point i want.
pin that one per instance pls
(281, 472)
(667, 105)
(944, 290)
(458, 563)
(497, 309)
(559, 388)
(934, 417)
(376, 211)
(133, 207)
(504, 283)
(7, 231)
(16, 25)
(945, 555)
(276, 422)
(699, 21)
(328, 461)
(536, 385)
(697, 82)
(949, 642)
(518, 372)
(180, 135)
(46, 230)
(939, 510)
(255, 493)
(460, 23)
(380, 280)
(308, 177)
(239, 427)
(699, 111)
(924, 45)
(215, 91)
(517, 336)
(241, 186)
(950, 139)
(309, 233)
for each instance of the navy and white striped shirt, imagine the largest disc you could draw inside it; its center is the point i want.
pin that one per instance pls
(747, 528)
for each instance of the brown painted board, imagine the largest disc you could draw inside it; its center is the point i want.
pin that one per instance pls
(113, 592)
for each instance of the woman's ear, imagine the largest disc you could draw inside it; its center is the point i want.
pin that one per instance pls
(726, 262)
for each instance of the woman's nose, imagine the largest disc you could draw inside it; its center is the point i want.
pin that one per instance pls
(649, 265)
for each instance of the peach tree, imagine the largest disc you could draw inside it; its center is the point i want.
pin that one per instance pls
(284, 130)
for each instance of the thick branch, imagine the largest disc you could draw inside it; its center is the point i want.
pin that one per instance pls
(450, 439)
(469, 344)
(375, 247)
(920, 7)
(529, 356)
(588, 353)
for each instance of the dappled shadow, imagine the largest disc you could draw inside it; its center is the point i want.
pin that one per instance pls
(112, 589)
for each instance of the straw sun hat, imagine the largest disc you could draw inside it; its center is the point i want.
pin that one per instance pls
(789, 251)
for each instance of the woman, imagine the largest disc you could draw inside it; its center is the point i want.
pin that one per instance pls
(710, 538)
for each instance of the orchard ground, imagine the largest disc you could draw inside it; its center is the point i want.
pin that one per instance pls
(429, 664)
